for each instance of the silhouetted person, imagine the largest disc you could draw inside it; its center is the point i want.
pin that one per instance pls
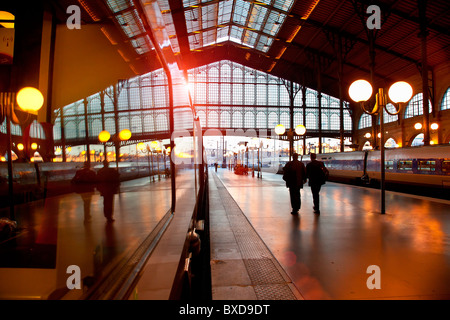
(294, 173)
(317, 174)
(84, 183)
(108, 185)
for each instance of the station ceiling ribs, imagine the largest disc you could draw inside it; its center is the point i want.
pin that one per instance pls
(295, 33)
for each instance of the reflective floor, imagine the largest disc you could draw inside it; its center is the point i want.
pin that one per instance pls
(56, 233)
(328, 256)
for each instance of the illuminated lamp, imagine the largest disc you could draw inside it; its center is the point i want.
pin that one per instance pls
(104, 136)
(360, 90)
(154, 144)
(125, 134)
(30, 99)
(280, 129)
(300, 130)
(434, 126)
(140, 146)
(367, 135)
(418, 126)
(20, 147)
(34, 146)
(400, 92)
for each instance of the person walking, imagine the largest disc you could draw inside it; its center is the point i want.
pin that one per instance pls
(294, 173)
(317, 174)
(84, 183)
(108, 185)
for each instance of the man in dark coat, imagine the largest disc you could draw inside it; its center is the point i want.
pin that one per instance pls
(108, 185)
(294, 174)
(317, 174)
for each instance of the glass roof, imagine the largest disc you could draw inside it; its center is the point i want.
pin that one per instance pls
(253, 24)
(130, 22)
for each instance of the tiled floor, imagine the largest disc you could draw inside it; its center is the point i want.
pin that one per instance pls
(328, 256)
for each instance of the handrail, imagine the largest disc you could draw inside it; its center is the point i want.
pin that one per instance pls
(119, 282)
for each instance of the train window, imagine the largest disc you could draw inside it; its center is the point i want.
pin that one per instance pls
(404, 165)
(446, 166)
(426, 165)
(389, 165)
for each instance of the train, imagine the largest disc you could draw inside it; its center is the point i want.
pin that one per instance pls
(425, 168)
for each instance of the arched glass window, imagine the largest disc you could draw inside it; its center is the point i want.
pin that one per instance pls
(390, 143)
(36, 130)
(445, 105)
(365, 121)
(415, 107)
(367, 146)
(387, 117)
(15, 129)
(418, 140)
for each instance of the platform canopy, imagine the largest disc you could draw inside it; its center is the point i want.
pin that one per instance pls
(290, 39)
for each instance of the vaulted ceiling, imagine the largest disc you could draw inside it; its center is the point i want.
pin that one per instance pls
(314, 42)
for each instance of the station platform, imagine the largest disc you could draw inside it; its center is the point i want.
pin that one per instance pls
(260, 251)
(55, 233)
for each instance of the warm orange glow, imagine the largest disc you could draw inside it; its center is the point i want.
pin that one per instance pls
(154, 144)
(281, 53)
(124, 57)
(104, 136)
(418, 126)
(91, 13)
(140, 146)
(20, 147)
(125, 134)
(4, 15)
(30, 99)
(34, 146)
(310, 9)
(434, 126)
(272, 66)
(108, 36)
(293, 34)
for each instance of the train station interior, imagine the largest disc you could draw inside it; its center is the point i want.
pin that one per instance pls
(144, 149)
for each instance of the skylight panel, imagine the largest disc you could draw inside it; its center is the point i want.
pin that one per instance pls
(118, 5)
(192, 22)
(249, 38)
(209, 15)
(257, 17)
(224, 15)
(264, 43)
(284, 5)
(222, 34)
(241, 10)
(241, 19)
(274, 23)
(236, 34)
